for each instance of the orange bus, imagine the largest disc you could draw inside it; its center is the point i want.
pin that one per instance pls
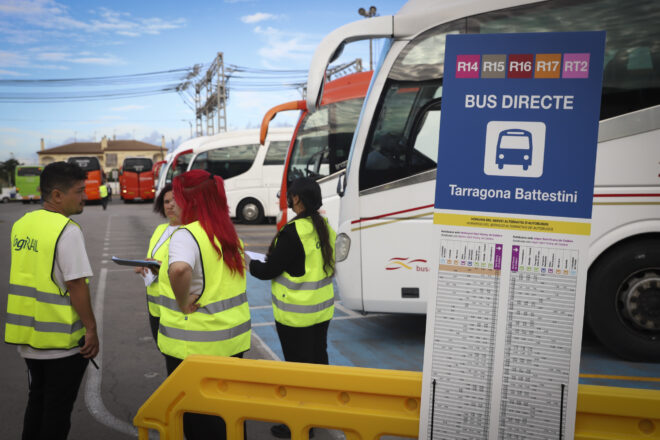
(136, 179)
(92, 167)
(322, 140)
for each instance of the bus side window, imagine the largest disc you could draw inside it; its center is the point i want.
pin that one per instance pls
(276, 154)
(631, 76)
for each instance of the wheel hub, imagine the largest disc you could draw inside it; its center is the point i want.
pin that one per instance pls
(250, 211)
(642, 301)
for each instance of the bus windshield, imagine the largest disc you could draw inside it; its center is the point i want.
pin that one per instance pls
(87, 163)
(227, 162)
(324, 140)
(182, 162)
(137, 165)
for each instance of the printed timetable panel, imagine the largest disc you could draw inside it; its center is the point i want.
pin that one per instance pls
(468, 291)
(539, 332)
(513, 201)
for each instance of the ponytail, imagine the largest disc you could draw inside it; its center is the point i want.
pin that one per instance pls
(321, 227)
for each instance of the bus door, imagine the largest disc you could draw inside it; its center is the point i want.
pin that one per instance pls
(272, 170)
(397, 180)
(321, 150)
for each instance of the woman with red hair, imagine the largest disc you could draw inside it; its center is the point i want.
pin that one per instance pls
(204, 308)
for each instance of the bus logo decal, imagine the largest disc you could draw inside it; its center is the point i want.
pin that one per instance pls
(415, 264)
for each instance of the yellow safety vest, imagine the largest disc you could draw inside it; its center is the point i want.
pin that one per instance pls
(153, 295)
(309, 299)
(221, 325)
(39, 314)
(103, 190)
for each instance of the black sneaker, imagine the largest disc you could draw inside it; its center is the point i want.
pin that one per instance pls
(283, 431)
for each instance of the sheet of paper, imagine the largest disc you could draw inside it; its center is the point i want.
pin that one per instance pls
(256, 256)
(149, 278)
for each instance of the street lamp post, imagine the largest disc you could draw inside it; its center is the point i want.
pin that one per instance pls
(368, 14)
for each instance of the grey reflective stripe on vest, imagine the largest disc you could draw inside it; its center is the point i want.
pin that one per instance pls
(209, 309)
(225, 304)
(164, 301)
(297, 308)
(44, 327)
(307, 285)
(43, 297)
(204, 336)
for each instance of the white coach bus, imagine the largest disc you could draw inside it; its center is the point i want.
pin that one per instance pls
(252, 172)
(387, 191)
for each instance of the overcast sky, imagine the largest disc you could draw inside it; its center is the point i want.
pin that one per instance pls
(46, 39)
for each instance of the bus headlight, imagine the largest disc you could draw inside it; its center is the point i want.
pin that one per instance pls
(342, 246)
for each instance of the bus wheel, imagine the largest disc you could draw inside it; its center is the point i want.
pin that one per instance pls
(250, 211)
(623, 299)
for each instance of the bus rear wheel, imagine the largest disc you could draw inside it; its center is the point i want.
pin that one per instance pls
(623, 299)
(250, 212)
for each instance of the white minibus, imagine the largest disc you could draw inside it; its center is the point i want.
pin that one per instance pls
(387, 191)
(252, 172)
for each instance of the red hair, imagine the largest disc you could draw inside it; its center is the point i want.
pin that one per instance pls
(202, 198)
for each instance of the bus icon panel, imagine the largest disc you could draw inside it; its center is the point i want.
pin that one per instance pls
(514, 148)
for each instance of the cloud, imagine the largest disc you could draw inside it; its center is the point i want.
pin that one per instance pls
(13, 59)
(122, 23)
(10, 73)
(282, 45)
(48, 15)
(128, 108)
(257, 17)
(107, 60)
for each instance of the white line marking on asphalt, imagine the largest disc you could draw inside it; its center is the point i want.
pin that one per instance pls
(93, 398)
(346, 309)
(265, 346)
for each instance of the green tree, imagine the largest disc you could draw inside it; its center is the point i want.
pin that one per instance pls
(7, 169)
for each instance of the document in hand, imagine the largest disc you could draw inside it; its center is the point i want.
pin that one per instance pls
(154, 265)
(256, 256)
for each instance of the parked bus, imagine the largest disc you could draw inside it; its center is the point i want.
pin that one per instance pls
(92, 166)
(321, 141)
(177, 161)
(252, 173)
(387, 191)
(136, 179)
(27, 183)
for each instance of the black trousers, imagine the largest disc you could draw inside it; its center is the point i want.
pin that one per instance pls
(104, 202)
(200, 426)
(54, 385)
(154, 323)
(304, 344)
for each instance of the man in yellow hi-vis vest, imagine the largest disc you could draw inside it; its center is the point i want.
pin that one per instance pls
(103, 192)
(49, 312)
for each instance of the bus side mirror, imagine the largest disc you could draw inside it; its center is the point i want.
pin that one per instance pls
(341, 184)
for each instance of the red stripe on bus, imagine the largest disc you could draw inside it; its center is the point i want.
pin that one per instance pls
(391, 213)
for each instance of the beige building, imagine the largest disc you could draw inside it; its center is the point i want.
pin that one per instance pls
(111, 153)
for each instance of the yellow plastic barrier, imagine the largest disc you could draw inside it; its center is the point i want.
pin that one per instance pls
(365, 403)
